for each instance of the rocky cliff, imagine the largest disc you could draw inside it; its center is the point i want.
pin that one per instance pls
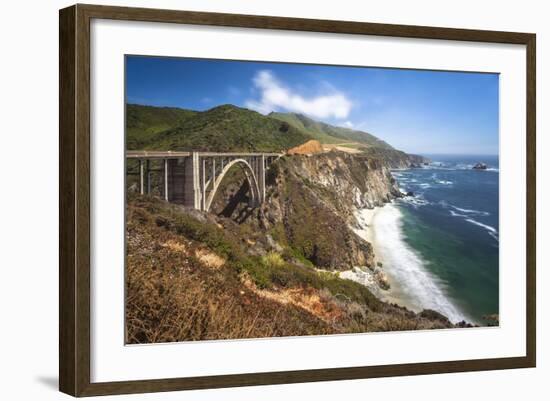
(310, 206)
(339, 181)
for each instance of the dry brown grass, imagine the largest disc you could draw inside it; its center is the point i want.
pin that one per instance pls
(308, 299)
(174, 246)
(209, 259)
(177, 291)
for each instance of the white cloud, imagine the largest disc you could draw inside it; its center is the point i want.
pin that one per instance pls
(347, 124)
(275, 96)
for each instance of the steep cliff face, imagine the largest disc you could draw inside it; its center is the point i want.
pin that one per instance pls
(341, 181)
(311, 202)
(310, 205)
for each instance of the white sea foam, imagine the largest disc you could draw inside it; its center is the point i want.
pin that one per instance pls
(410, 281)
(490, 230)
(494, 235)
(470, 211)
(415, 201)
(467, 215)
(455, 214)
(441, 182)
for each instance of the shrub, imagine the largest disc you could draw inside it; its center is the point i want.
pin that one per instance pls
(272, 260)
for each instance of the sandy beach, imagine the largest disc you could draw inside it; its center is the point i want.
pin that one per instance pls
(411, 285)
(367, 230)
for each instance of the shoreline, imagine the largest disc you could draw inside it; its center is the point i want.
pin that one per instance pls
(411, 284)
(365, 218)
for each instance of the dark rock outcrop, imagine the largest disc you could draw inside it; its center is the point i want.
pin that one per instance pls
(480, 166)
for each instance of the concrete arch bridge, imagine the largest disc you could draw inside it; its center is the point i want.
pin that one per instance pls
(193, 178)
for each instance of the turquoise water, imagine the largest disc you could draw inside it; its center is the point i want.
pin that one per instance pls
(452, 224)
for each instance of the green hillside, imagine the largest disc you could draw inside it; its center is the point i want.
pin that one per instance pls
(313, 130)
(231, 128)
(143, 123)
(227, 128)
(326, 133)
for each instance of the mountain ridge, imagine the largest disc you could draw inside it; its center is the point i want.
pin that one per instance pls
(227, 128)
(330, 133)
(222, 128)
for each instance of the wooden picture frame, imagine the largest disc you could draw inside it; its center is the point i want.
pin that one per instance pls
(74, 204)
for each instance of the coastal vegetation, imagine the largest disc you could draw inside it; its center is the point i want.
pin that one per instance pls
(195, 276)
(224, 128)
(327, 133)
(143, 123)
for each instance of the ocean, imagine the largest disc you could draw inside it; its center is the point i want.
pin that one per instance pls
(440, 247)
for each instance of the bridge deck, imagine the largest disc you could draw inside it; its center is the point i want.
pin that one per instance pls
(153, 154)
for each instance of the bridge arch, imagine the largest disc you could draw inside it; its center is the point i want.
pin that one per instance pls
(250, 177)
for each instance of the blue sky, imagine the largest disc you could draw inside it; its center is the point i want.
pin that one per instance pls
(426, 112)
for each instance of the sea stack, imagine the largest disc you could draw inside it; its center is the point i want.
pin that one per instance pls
(480, 166)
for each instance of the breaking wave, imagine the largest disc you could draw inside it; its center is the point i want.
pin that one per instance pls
(455, 214)
(415, 201)
(468, 214)
(493, 232)
(470, 211)
(405, 266)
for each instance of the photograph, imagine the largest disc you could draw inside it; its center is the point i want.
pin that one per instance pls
(270, 199)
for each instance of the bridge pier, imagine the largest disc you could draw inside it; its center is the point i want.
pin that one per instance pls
(191, 184)
(141, 176)
(203, 185)
(144, 177)
(261, 178)
(165, 180)
(147, 177)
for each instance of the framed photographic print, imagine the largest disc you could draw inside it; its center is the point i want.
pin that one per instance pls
(250, 200)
